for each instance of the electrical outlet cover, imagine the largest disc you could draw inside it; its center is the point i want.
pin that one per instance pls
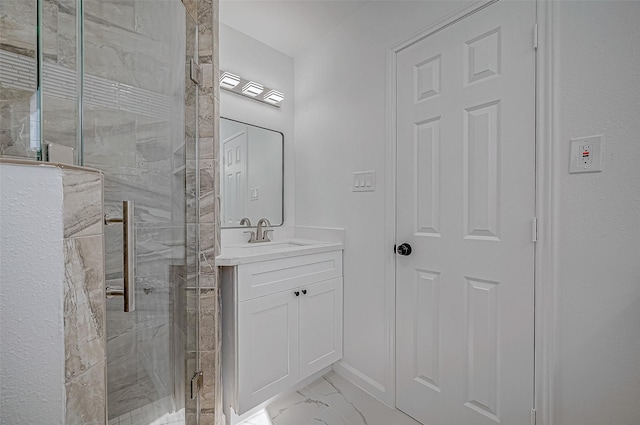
(586, 155)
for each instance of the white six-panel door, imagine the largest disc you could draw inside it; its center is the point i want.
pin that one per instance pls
(234, 184)
(465, 203)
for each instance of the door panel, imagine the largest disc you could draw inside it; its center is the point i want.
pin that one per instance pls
(235, 178)
(139, 121)
(267, 346)
(320, 325)
(465, 196)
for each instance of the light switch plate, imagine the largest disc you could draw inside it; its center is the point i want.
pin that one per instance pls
(364, 181)
(586, 155)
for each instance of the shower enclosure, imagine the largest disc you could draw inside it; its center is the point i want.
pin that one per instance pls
(111, 79)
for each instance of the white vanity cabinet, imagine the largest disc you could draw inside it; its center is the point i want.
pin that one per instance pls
(282, 322)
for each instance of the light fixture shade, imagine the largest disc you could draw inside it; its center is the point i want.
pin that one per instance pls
(274, 96)
(252, 89)
(229, 80)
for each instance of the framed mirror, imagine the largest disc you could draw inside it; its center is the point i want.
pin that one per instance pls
(252, 173)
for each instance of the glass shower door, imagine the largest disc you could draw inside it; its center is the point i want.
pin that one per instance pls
(138, 115)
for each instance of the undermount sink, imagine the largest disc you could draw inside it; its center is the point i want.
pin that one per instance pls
(273, 245)
(266, 247)
(253, 252)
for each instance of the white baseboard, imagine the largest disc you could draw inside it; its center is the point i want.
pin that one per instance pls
(364, 382)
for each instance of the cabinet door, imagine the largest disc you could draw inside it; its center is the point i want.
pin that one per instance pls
(320, 325)
(267, 347)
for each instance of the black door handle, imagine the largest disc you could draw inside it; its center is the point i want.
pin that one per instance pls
(404, 249)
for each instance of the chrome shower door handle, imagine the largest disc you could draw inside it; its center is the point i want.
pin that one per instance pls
(128, 245)
(128, 290)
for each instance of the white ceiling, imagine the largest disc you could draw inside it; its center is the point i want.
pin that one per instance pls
(288, 26)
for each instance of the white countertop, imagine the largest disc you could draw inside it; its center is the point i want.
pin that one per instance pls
(251, 253)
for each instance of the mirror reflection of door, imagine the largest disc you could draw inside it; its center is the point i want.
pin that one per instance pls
(252, 173)
(235, 181)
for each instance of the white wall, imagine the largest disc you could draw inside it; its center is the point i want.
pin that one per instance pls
(598, 215)
(32, 360)
(340, 128)
(251, 59)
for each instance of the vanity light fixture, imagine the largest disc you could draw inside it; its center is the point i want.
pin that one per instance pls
(252, 89)
(229, 80)
(274, 96)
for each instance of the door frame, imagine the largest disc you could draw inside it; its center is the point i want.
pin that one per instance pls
(545, 268)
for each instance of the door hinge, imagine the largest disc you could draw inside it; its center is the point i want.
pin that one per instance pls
(196, 384)
(194, 72)
(533, 416)
(535, 36)
(534, 229)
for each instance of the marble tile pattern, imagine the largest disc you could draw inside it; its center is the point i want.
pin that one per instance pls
(18, 40)
(191, 6)
(86, 397)
(191, 275)
(84, 302)
(128, 42)
(125, 56)
(18, 22)
(59, 100)
(84, 305)
(82, 215)
(137, 44)
(132, 43)
(332, 400)
(209, 214)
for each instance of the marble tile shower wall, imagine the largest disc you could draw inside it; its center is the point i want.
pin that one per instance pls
(84, 302)
(137, 44)
(135, 75)
(192, 217)
(143, 156)
(18, 104)
(135, 147)
(17, 40)
(209, 337)
(60, 112)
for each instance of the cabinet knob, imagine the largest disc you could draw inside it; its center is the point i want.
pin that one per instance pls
(296, 293)
(304, 292)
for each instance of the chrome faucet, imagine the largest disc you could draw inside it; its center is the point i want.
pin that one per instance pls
(246, 222)
(263, 235)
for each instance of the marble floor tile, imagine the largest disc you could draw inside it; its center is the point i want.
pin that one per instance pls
(355, 405)
(328, 417)
(260, 418)
(290, 409)
(331, 400)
